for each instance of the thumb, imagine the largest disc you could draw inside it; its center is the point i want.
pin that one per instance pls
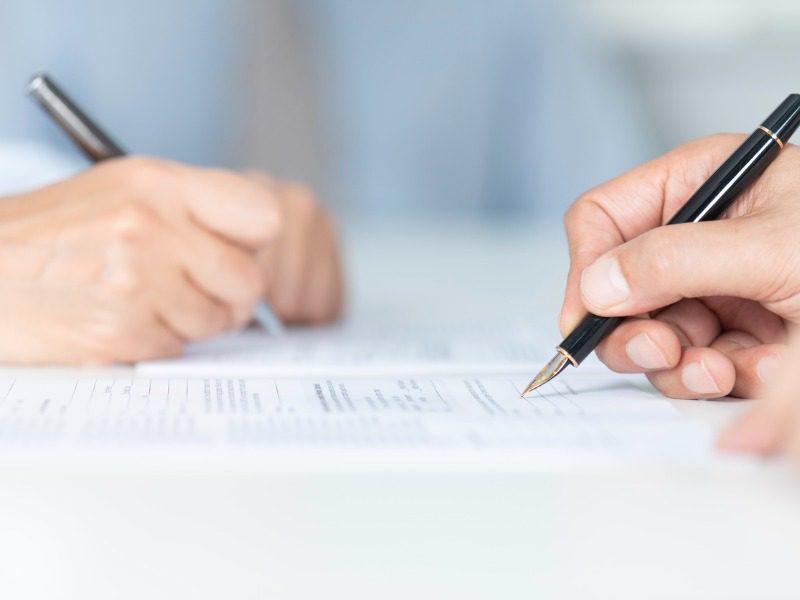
(662, 266)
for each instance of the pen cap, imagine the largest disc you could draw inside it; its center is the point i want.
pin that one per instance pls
(86, 134)
(784, 120)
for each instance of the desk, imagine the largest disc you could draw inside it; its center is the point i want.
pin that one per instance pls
(499, 531)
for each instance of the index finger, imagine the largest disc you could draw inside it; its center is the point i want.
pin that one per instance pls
(627, 206)
(228, 204)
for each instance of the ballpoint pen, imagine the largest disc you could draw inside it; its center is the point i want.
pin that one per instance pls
(98, 146)
(709, 202)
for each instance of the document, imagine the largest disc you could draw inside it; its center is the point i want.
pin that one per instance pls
(342, 352)
(576, 414)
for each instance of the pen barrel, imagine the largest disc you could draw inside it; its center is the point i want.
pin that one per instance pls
(746, 163)
(784, 120)
(582, 341)
(86, 134)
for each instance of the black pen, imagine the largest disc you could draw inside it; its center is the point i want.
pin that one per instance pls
(746, 163)
(98, 146)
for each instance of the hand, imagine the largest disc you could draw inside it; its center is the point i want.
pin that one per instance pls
(713, 298)
(301, 265)
(773, 425)
(130, 260)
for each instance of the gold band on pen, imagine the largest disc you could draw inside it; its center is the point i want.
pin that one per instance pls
(772, 135)
(567, 355)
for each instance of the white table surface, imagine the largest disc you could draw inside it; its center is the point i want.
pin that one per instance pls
(448, 531)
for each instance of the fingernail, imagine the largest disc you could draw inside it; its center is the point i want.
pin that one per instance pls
(697, 379)
(644, 353)
(768, 367)
(603, 285)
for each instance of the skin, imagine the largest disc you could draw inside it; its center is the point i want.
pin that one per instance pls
(136, 257)
(773, 425)
(713, 299)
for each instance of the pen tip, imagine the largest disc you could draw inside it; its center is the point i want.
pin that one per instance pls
(557, 364)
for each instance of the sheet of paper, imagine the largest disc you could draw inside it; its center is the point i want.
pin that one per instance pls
(576, 414)
(345, 352)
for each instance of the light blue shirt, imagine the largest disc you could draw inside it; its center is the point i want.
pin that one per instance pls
(446, 105)
(470, 104)
(154, 74)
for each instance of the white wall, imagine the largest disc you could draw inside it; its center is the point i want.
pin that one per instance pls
(703, 65)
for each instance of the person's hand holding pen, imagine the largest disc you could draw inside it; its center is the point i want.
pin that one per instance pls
(714, 298)
(136, 257)
(772, 426)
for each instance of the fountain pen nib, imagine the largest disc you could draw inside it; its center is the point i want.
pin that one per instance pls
(557, 364)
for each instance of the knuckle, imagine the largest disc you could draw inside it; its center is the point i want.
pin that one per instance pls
(145, 174)
(110, 337)
(584, 210)
(303, 199)
(265, 217)
(122, 276)
(148, 167)
(660, 255)
(125, 281)
(262, 228)
(133, 222)
(572, 213)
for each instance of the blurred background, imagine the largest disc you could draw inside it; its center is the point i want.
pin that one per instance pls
(447, 107)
